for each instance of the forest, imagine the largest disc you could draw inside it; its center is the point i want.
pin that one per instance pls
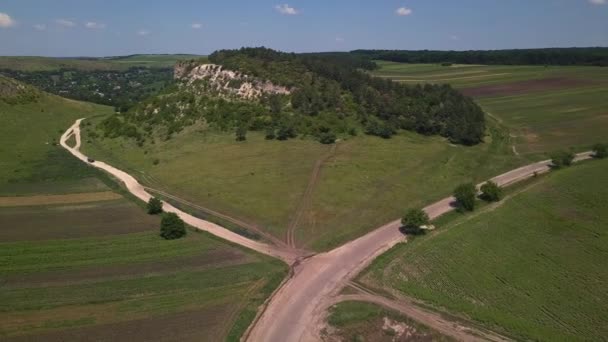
(596, 56)
(331, 96)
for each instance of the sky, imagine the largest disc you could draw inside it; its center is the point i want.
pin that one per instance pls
(121, 27)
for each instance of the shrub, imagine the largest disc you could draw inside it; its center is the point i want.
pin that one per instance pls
(561, 159)
(600, 151)
(415, 218)
(491, 192)
(465, 196)
(155, 206)
(327, 138)
(172, 227)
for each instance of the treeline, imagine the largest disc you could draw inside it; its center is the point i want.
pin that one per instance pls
(330, 97)
(596, 56)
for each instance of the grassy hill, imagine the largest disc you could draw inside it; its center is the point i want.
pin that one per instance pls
(532, 267)
(545, 107)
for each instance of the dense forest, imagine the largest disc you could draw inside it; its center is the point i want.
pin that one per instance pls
(119, 88)
(330, 96)
(597, 56)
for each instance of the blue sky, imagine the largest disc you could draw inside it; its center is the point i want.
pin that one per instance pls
(113, 27)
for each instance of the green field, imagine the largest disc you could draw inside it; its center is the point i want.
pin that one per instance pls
(26, 63)
(98, 268)
(358, 321)
(532, 267)
(365, 182)
(545, 108)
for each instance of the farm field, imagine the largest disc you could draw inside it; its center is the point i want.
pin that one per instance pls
(531, 267)
(545, 108)
(265, 182)
(80, 258)
(359, 321)
(27, 63)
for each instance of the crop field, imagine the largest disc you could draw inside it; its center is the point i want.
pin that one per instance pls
(358, 321)
(533, 267)
(362, 183)
(545, 108)
(112, 63)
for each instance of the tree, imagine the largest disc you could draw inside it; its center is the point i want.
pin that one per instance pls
(415, 218)
(241, 133)
(465, 195)
(172, 227)
(561, 159)
(327, 138)
(155, 206)
(600, 151)
(491, 192)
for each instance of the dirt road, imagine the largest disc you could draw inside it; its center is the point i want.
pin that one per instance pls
(296, 311)
(288, 255)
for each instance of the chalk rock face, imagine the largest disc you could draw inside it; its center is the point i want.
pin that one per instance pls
(226, 82)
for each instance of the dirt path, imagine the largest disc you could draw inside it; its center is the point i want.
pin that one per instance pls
(432, 319)
(306, 197)
(296, 310)
(139, 191)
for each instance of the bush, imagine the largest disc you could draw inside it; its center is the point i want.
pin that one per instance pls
(172, 227)
(465, 195)
(561, 159)
(491, 192)
(241, 133)
(327, 138)
(600, 151)
(155, 206)
(415, 218)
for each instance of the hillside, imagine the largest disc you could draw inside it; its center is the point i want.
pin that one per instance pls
(286, 95)
(13, 92)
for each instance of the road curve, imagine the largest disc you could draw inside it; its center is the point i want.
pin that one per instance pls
(287, 255)
(296, 311)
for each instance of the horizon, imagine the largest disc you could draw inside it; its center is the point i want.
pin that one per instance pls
(67, 28)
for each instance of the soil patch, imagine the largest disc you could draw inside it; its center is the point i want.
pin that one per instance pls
(211, 259)
(523, 87)
(197, 325)
(20, 201)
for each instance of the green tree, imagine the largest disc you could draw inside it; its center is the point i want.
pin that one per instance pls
(600, 151)
(241, 133)
(172, 227)
(491, 192)
(327, 138)
(415, 218)
(465, 195)
(155, 206)
(561, 159)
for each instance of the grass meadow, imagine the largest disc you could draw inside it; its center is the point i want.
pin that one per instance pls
(26, 63)
(532, 267)
(545, 108)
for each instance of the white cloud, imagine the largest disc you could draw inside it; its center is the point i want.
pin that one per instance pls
(454, 37)
(598, 2)
(197, 26)
(403, 11)
(6, 20)
(143, 32)
(40, 27)
(286, 9)
(94, 25)
(65, 23)
(339, 39)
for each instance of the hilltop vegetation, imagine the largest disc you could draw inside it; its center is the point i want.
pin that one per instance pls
(14, 92)
(326, 96)
(553, 56)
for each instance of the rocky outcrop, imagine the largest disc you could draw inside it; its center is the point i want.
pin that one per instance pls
(226, 82)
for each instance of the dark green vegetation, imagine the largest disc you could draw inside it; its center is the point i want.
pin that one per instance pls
(561, 159)
(532, 266)
(597, 56)
(324, 97)
(491, 192)
(600, 150)
(414, 219)
(545, 108)
(358, 321)
(172, 227)
(155, 206)
(466, 195)
(75, 270)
